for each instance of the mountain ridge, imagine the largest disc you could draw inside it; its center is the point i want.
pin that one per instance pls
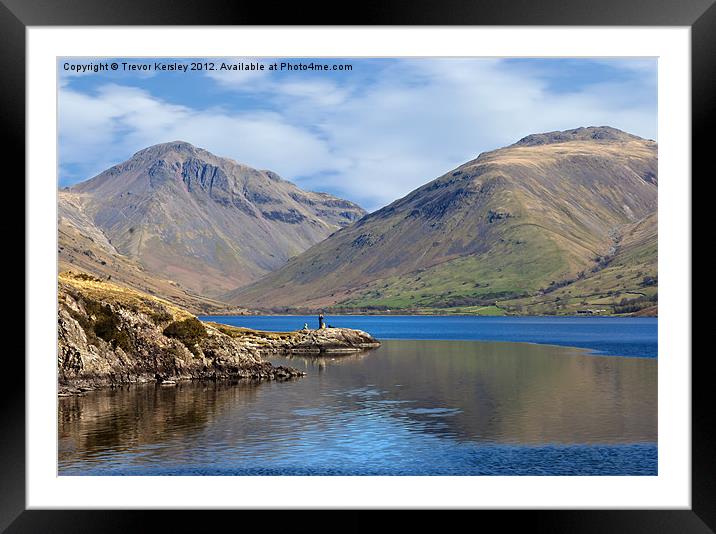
(501, 226)
(595, 133)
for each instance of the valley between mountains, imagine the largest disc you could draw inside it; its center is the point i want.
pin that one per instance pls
(557, 223)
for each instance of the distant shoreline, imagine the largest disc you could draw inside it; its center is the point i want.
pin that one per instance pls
(310, 314)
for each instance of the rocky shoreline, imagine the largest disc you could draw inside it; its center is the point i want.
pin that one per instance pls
(327, 340)
(110, 335)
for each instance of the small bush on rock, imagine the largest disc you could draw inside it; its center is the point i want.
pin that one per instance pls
(189, 332)
(103, 323)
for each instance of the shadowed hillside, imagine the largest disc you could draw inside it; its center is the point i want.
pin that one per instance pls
(83, 247)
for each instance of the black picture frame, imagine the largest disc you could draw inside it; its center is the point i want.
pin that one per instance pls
(699, 15)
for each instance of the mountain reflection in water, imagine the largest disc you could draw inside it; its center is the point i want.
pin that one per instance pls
(409, 407)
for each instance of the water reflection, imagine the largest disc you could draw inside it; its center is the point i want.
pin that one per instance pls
(124, 418)
(408, 404)
(311, 362)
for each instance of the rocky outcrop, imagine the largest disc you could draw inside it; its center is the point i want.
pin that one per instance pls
(326, 340)
(594, 133)
(109, 335)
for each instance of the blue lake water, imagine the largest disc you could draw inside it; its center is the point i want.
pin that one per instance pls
(616, 336)
(432, 400)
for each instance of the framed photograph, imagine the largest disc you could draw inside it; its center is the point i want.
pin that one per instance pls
(278, 262)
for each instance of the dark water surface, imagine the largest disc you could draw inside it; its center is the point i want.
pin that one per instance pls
(408, 408)
(616, 336)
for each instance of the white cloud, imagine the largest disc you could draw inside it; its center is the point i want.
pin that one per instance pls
(118, 121)
(239, 79)
(371, 139)
(423, 118)
(319, 92)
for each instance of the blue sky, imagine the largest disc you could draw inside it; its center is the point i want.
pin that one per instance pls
(371, 134)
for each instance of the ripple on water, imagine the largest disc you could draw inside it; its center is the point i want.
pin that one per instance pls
(436, 412)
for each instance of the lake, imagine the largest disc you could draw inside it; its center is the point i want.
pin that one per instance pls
(424, 406)
(617, 336)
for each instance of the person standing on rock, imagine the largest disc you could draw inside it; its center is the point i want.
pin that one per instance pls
(321, 324)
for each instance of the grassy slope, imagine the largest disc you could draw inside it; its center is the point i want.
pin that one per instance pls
(505, 270)
(106, 292)
(631, 275)
(607, 289)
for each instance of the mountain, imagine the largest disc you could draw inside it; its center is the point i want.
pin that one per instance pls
(547, 212)
(205, 222)
(83, 248)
